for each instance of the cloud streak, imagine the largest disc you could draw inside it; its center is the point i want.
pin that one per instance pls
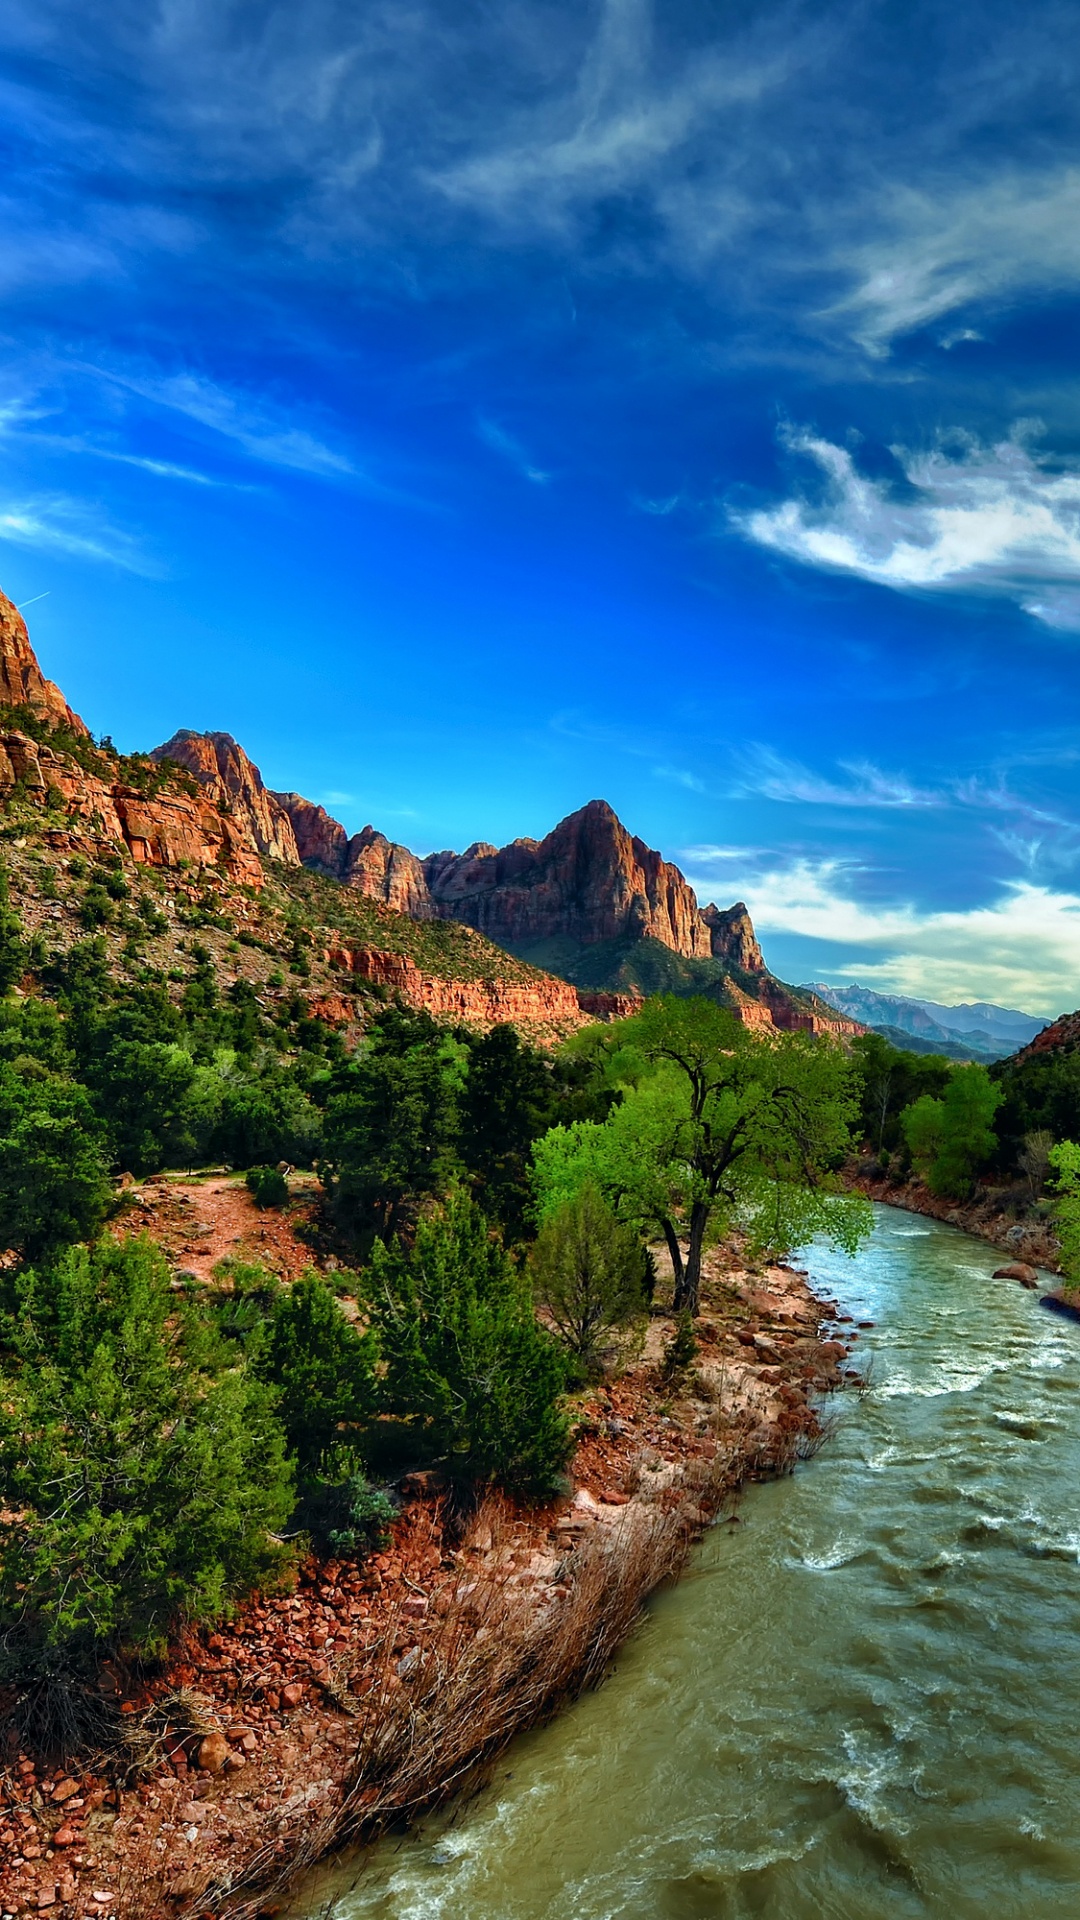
(985, 519)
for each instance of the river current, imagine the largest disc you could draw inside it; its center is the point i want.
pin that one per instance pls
(863, 1700)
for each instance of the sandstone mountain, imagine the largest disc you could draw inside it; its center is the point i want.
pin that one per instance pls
(590, 904)
(22, 683)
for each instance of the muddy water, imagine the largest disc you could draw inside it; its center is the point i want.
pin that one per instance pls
(864, 1699)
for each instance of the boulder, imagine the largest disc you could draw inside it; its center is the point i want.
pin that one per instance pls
(1018, 1270)
(212, 1752)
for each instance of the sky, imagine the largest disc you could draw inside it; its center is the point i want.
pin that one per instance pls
(480, 408)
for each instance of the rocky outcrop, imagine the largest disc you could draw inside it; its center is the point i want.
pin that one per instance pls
(165, 829)
(22, 683)
(732, 937)
(543, 1004)
(1062, 1036)
(379, 868)
(588, 880)
(236, 787)
(321, 842)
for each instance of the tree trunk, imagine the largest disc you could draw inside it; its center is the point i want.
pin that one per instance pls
(675, 1251)
(687, 1295)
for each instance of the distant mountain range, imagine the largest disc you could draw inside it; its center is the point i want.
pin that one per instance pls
(972, 1031)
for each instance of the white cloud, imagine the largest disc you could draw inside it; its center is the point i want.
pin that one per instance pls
(56, 524)
(936, 247)
(994, 519)
(1022, 949)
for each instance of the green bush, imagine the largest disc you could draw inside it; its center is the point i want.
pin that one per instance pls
(950, 1139)
(341, 1512)
(148, 1484)
(465, 1358)
(321, 1368)
(589, 1273)
(267, 1186)
(53, 1183)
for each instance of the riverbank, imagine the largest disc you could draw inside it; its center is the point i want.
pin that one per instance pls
(1030, 1239)
(371, 1691)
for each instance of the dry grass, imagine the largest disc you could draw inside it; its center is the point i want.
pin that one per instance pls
(502, 1658)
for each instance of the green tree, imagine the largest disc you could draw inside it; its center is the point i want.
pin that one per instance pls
(53, 1183)
(588, 1271)
(147, 1488)
(891, 1079)
(1065, 1164)
(505, 1105)
(12, 942)
(322, 1369)
(950, 1139)
(729, 1124)
(390, 1124)
(466, 1361)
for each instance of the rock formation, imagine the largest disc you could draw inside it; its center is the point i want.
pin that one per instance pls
(22, 683)
(235, 785)
(587, 880)
(733, 937)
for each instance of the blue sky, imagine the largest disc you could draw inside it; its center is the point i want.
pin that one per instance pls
(479, 408)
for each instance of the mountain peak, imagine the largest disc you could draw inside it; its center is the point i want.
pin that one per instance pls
(22, 683)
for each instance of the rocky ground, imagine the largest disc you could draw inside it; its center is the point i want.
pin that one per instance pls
(262, 1742)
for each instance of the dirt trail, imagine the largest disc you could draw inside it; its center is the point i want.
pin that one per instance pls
(201, 1220)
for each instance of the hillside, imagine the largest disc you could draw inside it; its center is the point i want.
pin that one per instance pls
(545, 934)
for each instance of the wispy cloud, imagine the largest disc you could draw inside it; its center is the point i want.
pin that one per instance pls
(57, 524)
(936, 246)
(768, 775)
(1021, 948)
(259, 430)
(509, 448)
(995, 519)
(680, 777)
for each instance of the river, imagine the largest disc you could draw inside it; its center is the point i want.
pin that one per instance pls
(863, 1698)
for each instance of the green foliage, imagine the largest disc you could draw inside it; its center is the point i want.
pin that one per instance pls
(13, 958)
(950, 1139)
(465, 1359)
(890, 1079)
(722, 1125)
(341, 1512)
(506, 1104)
(1065, 1165)
(322, 1369)
(390, 1124)
(148, 1485)
(267, 1186)
(681, 1350)
(588, 1272)
(53, 1183)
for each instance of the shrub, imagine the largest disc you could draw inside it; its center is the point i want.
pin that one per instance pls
(322, 1369)
(341, 1512)
(588, 1271)
(148, 1486)
(53, 1183)
(949, 1139)
(465, 1358)
(13, 956)
(267, 1186)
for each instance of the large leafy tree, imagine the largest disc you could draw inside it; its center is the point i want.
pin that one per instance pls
(506, 1103)
(726, 1123)
(951, 1138)
(53, 1183)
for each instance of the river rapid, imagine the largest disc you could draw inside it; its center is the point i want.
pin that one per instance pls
(863, 1698)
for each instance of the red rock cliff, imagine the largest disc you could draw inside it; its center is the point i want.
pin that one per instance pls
(588, 880)
(236, 787)
(22, 683)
